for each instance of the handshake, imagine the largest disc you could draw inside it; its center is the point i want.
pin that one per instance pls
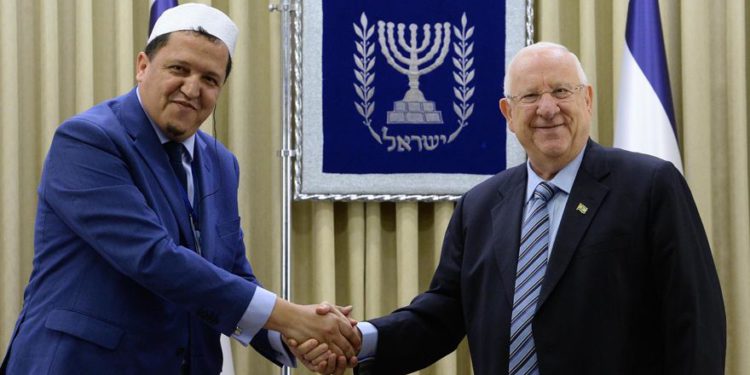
(323, 337)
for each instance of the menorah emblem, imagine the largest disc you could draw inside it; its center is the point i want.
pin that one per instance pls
(414, 108)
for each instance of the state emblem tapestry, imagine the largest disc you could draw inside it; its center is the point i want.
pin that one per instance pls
(399, 99)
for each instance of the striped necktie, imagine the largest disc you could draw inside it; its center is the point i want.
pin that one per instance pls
(532, 263)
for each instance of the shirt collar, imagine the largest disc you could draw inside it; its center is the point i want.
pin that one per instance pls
(189, 143)
(563, 179)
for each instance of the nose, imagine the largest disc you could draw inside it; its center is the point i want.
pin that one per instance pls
(191, 87)
(547, 106)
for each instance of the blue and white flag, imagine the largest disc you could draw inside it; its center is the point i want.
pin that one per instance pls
(157, 8)
(645, 118)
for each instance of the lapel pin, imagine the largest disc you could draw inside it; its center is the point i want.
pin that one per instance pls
(582, 208)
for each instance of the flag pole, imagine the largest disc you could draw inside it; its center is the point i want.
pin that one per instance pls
(287, 153)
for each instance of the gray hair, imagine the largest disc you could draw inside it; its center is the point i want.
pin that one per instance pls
(537, 46)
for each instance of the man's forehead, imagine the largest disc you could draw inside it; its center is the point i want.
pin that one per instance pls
(544, 59)
(178, 49)
(540, 68)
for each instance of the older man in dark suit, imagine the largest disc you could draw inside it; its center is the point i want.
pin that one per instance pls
(584, 260)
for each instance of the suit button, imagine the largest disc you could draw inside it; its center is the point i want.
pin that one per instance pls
(180, 351)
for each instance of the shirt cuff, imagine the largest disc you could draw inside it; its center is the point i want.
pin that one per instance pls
(282, 354)
(369, 340)
(255, 317)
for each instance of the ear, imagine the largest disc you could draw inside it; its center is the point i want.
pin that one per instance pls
(141, 63)
(589, 98)
(507, 113)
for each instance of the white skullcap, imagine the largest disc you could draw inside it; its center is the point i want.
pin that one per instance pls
(194, 15)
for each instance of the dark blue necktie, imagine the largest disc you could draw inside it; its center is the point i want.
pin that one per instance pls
(174, 151)
(532, 264)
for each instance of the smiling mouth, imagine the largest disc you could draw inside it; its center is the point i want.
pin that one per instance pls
(185, 105)
(545, 127)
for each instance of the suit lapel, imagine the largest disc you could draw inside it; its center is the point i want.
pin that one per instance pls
(506, 227)
(589, 191)
(203, 171)
(205, 161)
(147, 144)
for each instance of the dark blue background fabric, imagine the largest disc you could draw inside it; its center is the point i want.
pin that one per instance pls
(349, 147)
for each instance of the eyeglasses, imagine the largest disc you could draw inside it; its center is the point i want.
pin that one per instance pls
(560, 93)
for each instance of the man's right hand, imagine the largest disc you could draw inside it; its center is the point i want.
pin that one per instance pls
(315, 356)
(301, 323)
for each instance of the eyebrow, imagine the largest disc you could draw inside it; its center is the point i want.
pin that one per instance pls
(553, 86)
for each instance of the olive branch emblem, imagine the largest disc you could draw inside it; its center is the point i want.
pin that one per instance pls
(463, 75)
(365, 61)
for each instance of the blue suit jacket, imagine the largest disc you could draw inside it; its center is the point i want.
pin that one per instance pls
(111, 290)
(630, 287)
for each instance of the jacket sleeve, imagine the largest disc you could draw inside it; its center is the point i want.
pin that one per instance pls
(89, 185)
(692, 316)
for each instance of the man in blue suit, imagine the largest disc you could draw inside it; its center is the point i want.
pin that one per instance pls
(139, 259)
(584, 260)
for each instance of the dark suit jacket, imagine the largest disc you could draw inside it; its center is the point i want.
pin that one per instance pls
(630, 288)
(111, 290)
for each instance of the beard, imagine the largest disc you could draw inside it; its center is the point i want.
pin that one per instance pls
(174, 131)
